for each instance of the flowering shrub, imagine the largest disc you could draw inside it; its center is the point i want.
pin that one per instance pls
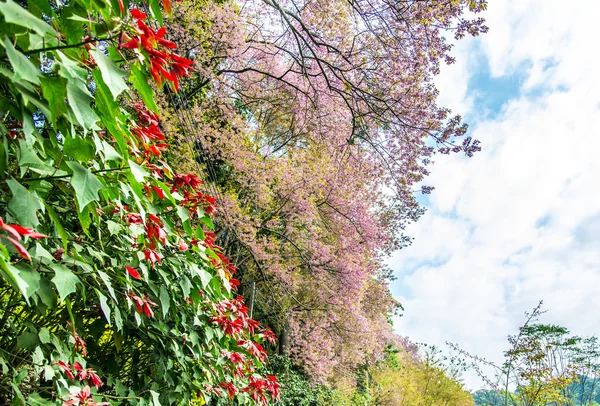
(112, 289)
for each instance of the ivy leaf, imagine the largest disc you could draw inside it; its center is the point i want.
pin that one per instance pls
(85, 184)
(64, 280)
(15, 14)
(24, 204)
(112, 75)
(22, 67)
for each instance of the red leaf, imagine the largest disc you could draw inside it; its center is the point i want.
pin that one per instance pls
(159, 192)
(28, 232)
(9, 229)
(20, 249)
(138, 14)
(134, 274)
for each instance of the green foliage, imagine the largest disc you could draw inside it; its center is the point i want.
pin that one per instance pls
(111, 289)
(296, 386)
(545, 365)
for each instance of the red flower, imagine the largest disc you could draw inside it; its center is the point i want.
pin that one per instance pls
(183, 246)
(87, 374)
(79, 343)
(234, 283)
(189, 180)
(146, 134)
(234, 357)
(66, 369)
(142, 304)
(268, 335)
(134, 274)
(151, 256)
(162, 64)
(231, 389)
(134, 218)
(230, 327)
(15, 232)
(83, 397)
(253, 348)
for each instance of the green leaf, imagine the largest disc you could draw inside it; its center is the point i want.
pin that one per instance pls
(79, 148)
(20, 281)
(41, 6)
(80, 101)
(110, 154)
(27, 341)
(60, 230)
(15, 14)
(137, 171)
(78, 95)
(203, 274)
(106, 279)
(34, 398)
(165, 300)
(24, 204)
(44, 335)
(85, 184)
(207, 222)
(22, 67)
(32, 97)
(113, 227)
(64, 280)
(104, 306)
(140, 83)
(28, 159)
(55, 91)
(155, 400)
(112, 75)
(118, 319)
(47, 294)
(85, 218)
(30, 276)
(39, 253)
(19, 398)
(183, 213)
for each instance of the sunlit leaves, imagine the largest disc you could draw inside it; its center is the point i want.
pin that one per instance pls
(115, 272)
(15, 14)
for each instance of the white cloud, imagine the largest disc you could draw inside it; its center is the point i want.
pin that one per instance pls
(520, 221)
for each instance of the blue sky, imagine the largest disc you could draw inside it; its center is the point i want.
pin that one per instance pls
(520, 221)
